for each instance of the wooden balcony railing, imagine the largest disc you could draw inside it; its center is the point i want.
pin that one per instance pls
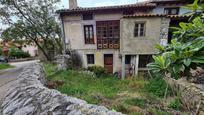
(108, 43)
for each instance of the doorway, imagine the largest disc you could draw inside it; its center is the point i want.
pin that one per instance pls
(108, 62)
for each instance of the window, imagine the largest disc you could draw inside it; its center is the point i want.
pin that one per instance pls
(171, 11)
(90, 59)
(144, 60)
(88, 16)
(127, 59)
(139, 30)
(89, 34)
(108, 29)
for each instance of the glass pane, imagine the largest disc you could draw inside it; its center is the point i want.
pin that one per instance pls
(136, 32)
(142, 26)
(141, 33)
(174, 11)
(90, 28)
(136, 25)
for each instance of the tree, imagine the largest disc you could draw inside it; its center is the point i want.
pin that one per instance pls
(186, 50)
(34, 20)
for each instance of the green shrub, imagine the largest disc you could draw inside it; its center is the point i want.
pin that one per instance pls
(1, 52)
(98, 70)
(157, 86)
(175, 104)
(17, 53)
(186, 49)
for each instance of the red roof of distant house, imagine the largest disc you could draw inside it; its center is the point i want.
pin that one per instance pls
(80, 9)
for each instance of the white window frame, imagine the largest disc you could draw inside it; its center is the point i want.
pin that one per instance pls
(139, 29)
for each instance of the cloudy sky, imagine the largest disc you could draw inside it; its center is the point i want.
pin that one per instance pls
(93, 3)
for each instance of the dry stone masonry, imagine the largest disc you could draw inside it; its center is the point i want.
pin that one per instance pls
(29, 96)
(164, 31)
(191, 95)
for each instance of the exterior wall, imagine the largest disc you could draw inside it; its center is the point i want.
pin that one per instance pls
(74, 34)
(164, 30)
(99, 58)
(140, 45)
(160, 9)
(74, 29)
(108, 16)
(31, 49)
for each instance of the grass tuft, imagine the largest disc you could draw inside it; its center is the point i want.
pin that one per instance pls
(5, 66)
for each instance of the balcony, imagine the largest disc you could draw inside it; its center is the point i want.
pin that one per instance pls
(108, 43)
(108, 34)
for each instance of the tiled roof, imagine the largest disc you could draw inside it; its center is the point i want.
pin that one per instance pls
(164, 0)
(178, 16)
(170, 1)
(144, 15)
(137, 5)
(156, 15)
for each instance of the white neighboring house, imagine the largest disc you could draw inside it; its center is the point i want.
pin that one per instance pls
(32, 49)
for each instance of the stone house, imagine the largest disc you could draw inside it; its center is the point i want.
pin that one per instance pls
(120, 38)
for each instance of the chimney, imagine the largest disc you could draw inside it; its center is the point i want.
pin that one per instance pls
(73, 4)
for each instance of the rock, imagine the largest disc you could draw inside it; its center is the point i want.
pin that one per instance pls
(62, 61)
(190, 94)
(29, 96)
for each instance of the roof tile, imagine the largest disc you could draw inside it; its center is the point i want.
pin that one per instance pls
(141, 4)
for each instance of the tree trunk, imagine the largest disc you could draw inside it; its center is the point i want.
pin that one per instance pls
(44, 52)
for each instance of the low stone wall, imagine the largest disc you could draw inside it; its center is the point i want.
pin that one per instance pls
(191, 96)
(29, 96)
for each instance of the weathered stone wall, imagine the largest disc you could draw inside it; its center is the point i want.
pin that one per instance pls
(29, 96)
(191, 95)
(165, 22)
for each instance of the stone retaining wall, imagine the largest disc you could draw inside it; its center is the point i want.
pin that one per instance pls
(191, 96)
(29, 96)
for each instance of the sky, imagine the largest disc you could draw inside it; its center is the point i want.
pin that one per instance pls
(94, 3)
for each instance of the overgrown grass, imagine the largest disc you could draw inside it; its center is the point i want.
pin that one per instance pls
(130, 96)
(5, 66)
(94, 90)
(50, 69)
(136, 102)
(157, 87)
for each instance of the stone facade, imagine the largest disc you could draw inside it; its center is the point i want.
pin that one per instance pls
(191, 95)
(165, 23)
(29, 96)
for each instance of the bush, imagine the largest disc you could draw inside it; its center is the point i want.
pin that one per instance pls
(157, 86)
(17, 53)
(175, 104)
(1, 52)
(98, 70)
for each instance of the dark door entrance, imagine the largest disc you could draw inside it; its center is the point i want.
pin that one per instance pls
(108, 62)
